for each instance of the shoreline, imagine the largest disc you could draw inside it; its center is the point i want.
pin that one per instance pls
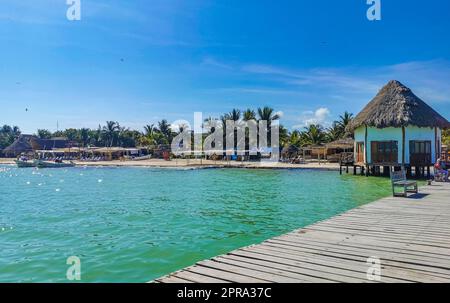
(198, 164)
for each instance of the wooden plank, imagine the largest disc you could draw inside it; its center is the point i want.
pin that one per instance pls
(259, 273)
(344, 258)
(197, 278)
(225, 275)
(333, 266)
(172, 279)
(371, 243)
(411, 236)
(361, 253)
(365, 244)
(284, 270)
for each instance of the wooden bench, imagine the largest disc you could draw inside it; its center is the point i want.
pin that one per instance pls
(398, 179)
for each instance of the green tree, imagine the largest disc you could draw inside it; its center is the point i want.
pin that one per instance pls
(343, 122)
(295, 138)
(44, 134)
(127, 137)
(313, 135)
(249, 114)
(71, 134)
(284, 136)
(7, 135)
(110, 132)
(84, 136)
(446, 137)
(268, 114)
(165, 132)
(335, 132)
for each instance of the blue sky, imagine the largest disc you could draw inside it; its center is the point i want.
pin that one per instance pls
(138, 61)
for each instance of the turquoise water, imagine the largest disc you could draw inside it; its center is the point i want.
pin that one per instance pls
(136, 224)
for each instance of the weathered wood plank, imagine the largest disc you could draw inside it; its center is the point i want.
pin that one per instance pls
(411, 236)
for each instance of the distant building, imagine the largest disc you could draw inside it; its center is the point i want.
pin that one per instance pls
(397, 129)
(31, 143)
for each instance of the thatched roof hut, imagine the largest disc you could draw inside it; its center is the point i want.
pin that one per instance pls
(23, 144)
(31, 143)
(396, 106)
(397, 128)
(345, 143)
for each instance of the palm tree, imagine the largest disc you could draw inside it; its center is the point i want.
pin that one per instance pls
(313, 135)
(284, 136)
(149, 130)
(16, 131)
(128, 137)
(235, 115)
(84, 135)
(344, 121)
(335, 132)
(295, 138)
(165, 131)
(267, 114)
(249, 114)
(110, 131)
(7, 135)
(71, 134)
(44, 134)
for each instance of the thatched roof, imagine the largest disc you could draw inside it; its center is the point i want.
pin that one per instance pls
(21, 145)
(395, 106)
(29, 143)
(345, 143)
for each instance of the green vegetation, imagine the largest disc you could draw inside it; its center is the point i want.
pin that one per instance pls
(113, 134)
(8, 134)
(446, 137)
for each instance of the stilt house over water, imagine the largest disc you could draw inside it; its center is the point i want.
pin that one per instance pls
(397, 129)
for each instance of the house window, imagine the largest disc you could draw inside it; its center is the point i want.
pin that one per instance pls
(359, 152)
(384, 152)
(420, 152)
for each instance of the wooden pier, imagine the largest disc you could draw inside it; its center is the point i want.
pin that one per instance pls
(410, 237)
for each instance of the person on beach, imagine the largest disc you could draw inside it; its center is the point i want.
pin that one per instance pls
(441, 168)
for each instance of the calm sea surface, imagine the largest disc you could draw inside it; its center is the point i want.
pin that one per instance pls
(136, 224)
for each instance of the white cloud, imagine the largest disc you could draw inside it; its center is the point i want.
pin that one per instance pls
(428, 79)
(209, 61)
(319, 116)
(280, 114)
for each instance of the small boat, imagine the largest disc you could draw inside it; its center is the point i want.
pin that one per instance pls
(21, 163)
(53, 164)
(142, 158)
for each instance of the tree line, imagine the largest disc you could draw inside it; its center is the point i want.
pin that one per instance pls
(112, 134)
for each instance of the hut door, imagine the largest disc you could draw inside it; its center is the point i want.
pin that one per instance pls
(360, 152)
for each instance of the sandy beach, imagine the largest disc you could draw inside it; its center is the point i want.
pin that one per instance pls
(197, 163)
